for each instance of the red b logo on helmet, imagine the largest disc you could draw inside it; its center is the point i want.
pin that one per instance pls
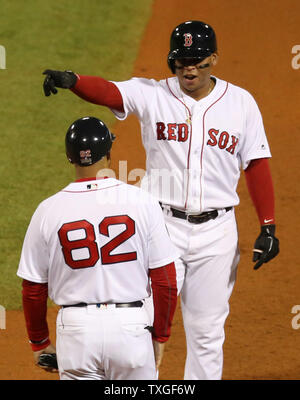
(188, 40)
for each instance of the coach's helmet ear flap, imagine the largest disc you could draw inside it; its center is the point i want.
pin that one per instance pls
(113, 138)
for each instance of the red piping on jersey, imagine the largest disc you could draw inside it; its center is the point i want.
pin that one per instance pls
(189, 152)
(90, 179)
(90, 190)
(203, 135)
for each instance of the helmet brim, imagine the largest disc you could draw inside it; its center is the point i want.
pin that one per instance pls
(200, 53)
(176, 54)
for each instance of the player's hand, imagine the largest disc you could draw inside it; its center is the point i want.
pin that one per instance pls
(158, 352)
(266, 246)
(48, 350)
(61, 79)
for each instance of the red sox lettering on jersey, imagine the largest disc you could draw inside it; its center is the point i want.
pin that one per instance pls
(225, 141)
(195, 140)
(172, 131)
(180, 133)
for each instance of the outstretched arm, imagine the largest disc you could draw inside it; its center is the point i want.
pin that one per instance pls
(98, 91)
(94, 89)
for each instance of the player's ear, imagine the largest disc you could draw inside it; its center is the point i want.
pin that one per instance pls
(214, 59)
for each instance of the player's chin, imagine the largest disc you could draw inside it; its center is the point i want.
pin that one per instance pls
(190, 84)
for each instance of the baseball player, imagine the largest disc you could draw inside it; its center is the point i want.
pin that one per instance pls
(198, 132)
(94, 247)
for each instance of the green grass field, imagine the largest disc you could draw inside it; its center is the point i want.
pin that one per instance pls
(92, 37)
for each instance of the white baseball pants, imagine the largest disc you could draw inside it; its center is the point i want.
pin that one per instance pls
(105, 343)
(207, 272)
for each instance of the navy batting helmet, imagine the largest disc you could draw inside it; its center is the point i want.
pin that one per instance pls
(88, 140)
(191, 39)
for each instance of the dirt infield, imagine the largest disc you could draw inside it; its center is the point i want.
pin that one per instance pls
(255, 46)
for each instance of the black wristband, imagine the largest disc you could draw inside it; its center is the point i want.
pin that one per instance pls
(39, 342)
(268, 230)
(70, 80)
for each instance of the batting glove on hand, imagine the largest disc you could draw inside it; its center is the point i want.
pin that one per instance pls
(61, 79)
(266, 246)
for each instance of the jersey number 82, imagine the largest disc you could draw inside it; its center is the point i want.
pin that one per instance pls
(90, 243)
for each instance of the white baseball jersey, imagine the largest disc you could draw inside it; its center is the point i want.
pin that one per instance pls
(94, 242)
(194, 149)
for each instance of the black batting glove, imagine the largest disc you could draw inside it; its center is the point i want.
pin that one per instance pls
(61, 79)
(266, 246)
(48, 361)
